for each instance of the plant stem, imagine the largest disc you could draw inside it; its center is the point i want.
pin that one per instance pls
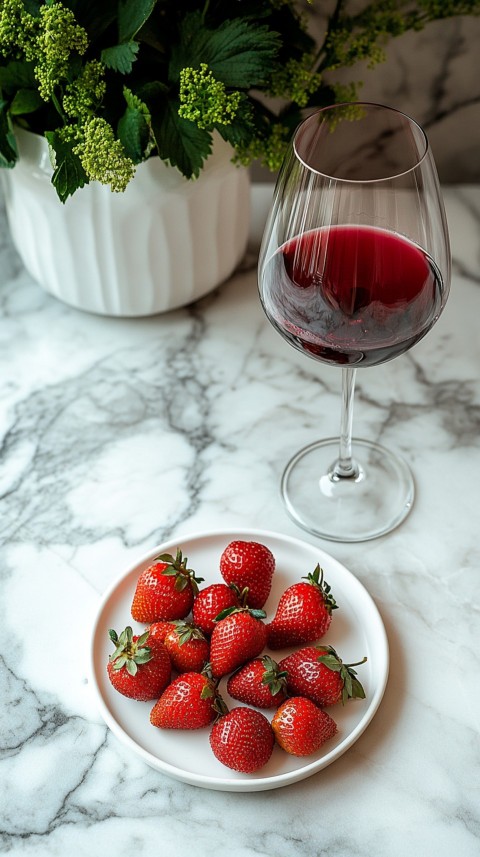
(332, 23)
(205, 10)
(58, 107)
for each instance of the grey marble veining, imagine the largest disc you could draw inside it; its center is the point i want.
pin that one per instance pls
(115, 435)
(433, 76)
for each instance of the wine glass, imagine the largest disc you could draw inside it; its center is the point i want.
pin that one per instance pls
(354, 270)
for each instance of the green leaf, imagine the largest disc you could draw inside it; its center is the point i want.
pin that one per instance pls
(32, 6)
(17, 75)
(273, 677)
(181, 581)
(227, 611)
(8, 143)
(134, 129)
(330, 661)
(143, 638)
(132, 15)
(258, 614)
(143, 656)
(207, 691)
(180, 142)
(169, 572)
(238, 52)
(165, 557)
(152, 93)
(347, 681)
(357, 689)
(68, 175)
(120, 57)
(240, 131)
(25, 101)
(94, 16)
(316, 579)
(131, 667)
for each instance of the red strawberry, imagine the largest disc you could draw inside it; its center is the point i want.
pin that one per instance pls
(188, 647)
(259, 683)
(238, 636)
(300, 727)
(137, 670)
(159, 630)
(304, 612)
(165, 590)
(319, 674)
(249, 564)
(189, 702)
(242, 740)
(210, 602)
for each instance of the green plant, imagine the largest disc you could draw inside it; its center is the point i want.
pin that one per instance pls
(112, 83)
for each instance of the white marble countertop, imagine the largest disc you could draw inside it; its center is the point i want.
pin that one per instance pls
(116, 435)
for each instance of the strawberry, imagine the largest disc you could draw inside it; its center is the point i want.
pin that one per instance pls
(319, 674)
(300, 727)
(188, 647)
(135, 669)
(161, 629)
(191, 701)
(259, 683)
(242, 740)
(210, 602)
(304, 612)
(249, 564)
(164, 590)
(238, 636)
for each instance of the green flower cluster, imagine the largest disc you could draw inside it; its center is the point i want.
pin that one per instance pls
(366, 44)
(446, 8)
(18, 31)
(102, 156)
(268, 150)
(47, 40)
(58, 37)
(112, 83)
(85, 94)
(296, 80)
(205, 100)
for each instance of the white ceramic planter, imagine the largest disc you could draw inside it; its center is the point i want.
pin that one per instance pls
(162, 244)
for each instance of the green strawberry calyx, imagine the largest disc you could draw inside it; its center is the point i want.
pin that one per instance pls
(230, 611)
(242, 594)
(273, 677)
(185, 631)
(316, 579)
(352, 688)
(210, 691)
(129, 653)
(177, 567)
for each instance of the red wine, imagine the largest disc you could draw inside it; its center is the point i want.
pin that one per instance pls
(354, 295)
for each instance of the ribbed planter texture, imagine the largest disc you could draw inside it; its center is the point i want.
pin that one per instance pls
(161, 244)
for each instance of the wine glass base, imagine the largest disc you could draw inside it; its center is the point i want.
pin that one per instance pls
(357, 508)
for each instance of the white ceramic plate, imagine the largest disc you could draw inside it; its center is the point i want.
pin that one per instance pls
(356, 630)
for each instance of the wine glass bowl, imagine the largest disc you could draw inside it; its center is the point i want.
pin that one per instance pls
(354, 270)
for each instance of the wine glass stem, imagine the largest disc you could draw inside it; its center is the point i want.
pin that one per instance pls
(345, 467)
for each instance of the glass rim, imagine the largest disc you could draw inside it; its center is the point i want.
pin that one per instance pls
(386, 107)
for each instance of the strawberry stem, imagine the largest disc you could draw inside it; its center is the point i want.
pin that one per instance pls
(316, 579)
(229, 611)
(129, 653)
(177, 567)
(273, 677)
(352, 688)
